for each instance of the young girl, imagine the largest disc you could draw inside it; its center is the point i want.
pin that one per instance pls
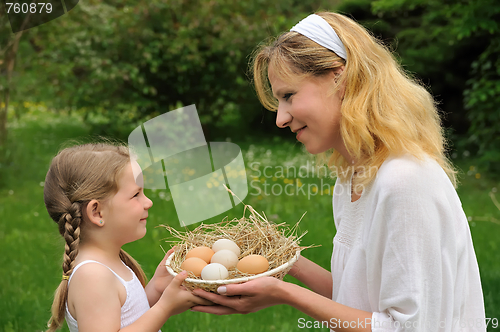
(91, 193)
(403, 258)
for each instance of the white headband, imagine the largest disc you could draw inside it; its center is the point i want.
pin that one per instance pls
(318, 30)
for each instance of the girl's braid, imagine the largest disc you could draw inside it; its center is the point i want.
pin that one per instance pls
(71, 220)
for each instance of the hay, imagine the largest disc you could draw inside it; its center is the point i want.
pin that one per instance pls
(254, 235)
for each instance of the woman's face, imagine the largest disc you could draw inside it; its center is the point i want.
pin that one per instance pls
(310, 110)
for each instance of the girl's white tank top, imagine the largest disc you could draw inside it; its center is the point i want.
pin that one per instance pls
(136, 303)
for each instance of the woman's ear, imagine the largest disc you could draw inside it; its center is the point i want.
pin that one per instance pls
(94, 212)
(338, 80)
(338, 86)
(339, 70)
(335, 73)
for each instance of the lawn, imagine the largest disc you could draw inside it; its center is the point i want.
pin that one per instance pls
(31, 248)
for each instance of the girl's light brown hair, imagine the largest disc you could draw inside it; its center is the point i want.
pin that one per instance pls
(77, 175)
(384, 110)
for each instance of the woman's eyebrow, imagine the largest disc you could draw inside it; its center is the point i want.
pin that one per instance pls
(278, 93)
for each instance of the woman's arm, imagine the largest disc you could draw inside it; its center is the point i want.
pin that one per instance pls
(265, 292)
(318, 279)
(340, 317)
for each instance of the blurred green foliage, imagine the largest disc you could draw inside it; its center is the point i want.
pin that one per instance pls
(122, 62)
(133, 60)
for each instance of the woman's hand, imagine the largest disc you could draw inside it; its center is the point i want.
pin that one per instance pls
(161, 279)
(243, 298)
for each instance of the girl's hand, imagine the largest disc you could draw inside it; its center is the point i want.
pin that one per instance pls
(161, 279)
(176, 298)
(243, 298)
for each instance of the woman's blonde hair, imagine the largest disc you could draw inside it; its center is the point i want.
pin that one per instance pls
(384, 110)
(77, 175)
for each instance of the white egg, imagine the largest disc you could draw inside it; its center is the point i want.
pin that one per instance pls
(226, 244)
(214, 271)
(225, 257)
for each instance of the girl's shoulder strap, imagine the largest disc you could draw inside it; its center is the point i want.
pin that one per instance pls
(92, 261)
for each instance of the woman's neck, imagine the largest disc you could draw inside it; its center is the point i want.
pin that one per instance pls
(343, 151)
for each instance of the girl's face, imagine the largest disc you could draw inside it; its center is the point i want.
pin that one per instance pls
(126, 213)
(310, 110)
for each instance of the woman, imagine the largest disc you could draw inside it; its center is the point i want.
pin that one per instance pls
(403, 258)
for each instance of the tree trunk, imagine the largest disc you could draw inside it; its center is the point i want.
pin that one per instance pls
(3, 118)
(10, 52)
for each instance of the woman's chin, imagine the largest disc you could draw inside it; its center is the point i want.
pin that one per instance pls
(314, 149)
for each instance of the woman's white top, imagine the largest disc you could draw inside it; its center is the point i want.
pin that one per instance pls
(404, 252)
(136, 303)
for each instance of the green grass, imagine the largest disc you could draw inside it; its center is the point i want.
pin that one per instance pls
(31, 248)
(484, 218)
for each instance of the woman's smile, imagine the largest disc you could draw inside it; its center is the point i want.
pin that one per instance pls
(300, 131)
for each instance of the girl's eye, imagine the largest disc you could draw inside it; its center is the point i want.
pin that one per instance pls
(137, 194)
(287, 96)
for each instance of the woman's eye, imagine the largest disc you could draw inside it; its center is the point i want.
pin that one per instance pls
(137, 194)
(287, 96)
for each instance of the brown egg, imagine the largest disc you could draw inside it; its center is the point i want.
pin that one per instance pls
(204, 253)
(194, 264)
(253, 264)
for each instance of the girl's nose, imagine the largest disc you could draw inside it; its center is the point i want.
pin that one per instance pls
(283, 117)
(149, 203)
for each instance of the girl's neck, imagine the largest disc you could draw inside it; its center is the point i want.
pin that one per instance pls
(110, 258)
(104, 254)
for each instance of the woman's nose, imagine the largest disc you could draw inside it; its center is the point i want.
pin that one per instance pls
(283, 117)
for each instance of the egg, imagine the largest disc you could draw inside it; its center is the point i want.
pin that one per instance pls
(225, 257)
(253, 264)
(226, 244)
(202, 252)
(194, 264)
(214, 271)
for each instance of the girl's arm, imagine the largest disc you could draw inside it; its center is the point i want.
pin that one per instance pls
(318, 279)
(97, 297)
(265, 292)
(174, 300)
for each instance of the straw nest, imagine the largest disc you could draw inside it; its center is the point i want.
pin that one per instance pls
(254, 235)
